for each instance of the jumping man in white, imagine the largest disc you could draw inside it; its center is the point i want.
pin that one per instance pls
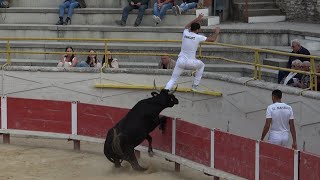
(187, 57)
(280, 116)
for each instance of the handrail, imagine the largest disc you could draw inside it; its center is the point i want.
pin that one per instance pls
(256, 64)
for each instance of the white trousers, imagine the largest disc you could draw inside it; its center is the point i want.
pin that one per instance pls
(279, 137)
(185, 64)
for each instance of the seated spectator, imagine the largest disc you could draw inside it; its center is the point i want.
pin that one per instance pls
(305, 79)
(70, 4)
(293, 78)
(159, 9)
(4, 4)
(185, 6)
(68, 60)
(166, 63)
(142, 5)
(91, 61)
(112, 62)
(298, 49)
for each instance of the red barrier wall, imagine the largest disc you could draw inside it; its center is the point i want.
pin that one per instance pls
(95, 120)
(39, 115)
(193, 142)
(276, 162)
(162, 142)
(309, 168)
(234, 154)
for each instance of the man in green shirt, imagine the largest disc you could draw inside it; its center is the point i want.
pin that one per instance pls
(142, 5)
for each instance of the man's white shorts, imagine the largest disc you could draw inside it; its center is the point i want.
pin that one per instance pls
(279, 137)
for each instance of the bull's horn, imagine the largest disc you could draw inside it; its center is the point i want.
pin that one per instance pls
(175, 89)
(154, 86)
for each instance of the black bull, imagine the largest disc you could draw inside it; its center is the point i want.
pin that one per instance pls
(135, 127)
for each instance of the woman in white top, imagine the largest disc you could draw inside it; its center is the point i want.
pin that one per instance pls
(68, 60)
(111, 62)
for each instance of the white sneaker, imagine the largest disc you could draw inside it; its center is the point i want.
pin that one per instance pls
(158, 20)
(154, 17)
(194, 88)
(179, 10)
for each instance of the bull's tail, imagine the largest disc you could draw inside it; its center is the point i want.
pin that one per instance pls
(116, 147)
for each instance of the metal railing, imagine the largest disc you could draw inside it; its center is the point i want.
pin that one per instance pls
(257, 65)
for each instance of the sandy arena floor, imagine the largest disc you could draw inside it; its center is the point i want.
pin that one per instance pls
(46, 159)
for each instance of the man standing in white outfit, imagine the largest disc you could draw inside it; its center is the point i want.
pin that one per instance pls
(187, 57)
(280, 116)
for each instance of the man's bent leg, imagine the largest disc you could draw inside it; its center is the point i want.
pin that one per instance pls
(200, 68)
(177, 71)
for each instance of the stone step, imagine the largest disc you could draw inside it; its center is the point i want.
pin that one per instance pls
(252, 1)
(310, 44)
(89, 16)
(266, 19)
(275, 62)
(247, 37)
(257, 5)
(264, 12)
(172, 48)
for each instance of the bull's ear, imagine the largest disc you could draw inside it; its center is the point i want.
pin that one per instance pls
(154, 94)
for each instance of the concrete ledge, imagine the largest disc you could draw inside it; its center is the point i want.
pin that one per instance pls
(209, 75)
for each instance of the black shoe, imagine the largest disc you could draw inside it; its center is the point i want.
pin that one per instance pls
(67, 21)
(60, 22)
(137, 23)
(120, 23)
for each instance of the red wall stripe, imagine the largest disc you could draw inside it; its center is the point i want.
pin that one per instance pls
(234, 154)
(96, 120)
(162, 141)
(309, 168)
(39, 115)
(276, 162)
(193, 142)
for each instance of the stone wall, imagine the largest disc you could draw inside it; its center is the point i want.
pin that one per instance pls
(301, 10)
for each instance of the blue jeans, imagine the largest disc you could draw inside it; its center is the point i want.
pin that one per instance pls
(129, 8)
(160, 13)
(187, 6)
(71, 4)
(83, 64)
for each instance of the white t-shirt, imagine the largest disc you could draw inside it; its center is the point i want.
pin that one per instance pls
(190, 43)
(280, 113)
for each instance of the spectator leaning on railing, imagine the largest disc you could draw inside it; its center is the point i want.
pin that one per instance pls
(70, 5)
(298, 49)
(305, 79)
(293, 78)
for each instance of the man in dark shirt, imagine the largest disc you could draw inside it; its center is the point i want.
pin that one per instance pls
(142, 5)
(298, 49)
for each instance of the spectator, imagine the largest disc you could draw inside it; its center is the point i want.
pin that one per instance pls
(166, 63)
(293, 78)
(91, 61)
(159, 9)
(68, 60)
(112, 62)
(70, 4)
(142, 5)
(298, 49)
(280, 116)
(305, 79)
(185, 6)
(4, 4)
